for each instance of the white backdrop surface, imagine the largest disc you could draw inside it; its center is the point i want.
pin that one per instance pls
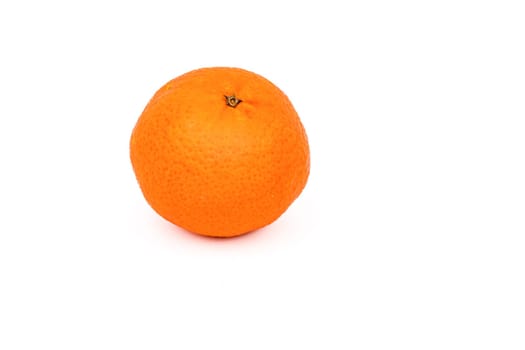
(409, 234)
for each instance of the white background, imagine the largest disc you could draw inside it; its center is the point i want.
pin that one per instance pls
(409, 234)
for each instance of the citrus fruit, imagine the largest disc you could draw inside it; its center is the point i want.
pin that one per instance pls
(220, 152)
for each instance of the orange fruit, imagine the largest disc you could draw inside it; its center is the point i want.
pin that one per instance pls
(220, 152)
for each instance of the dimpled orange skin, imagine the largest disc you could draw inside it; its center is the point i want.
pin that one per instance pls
(215, 169)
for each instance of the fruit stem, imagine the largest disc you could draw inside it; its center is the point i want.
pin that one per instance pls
(232, 101)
